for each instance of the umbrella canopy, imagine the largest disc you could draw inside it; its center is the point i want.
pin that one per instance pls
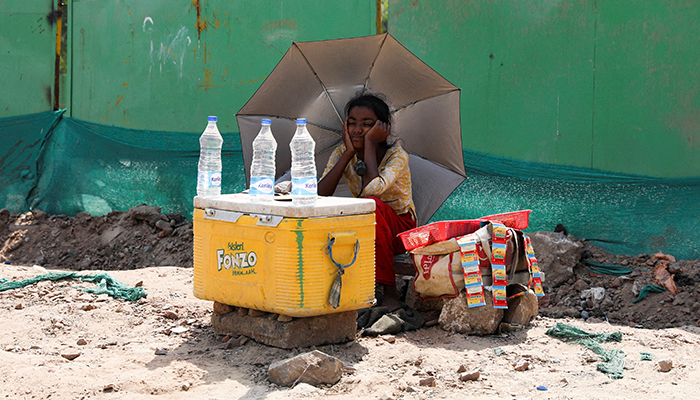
(314, 80)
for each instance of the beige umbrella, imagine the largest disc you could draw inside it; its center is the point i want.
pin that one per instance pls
(315, 80)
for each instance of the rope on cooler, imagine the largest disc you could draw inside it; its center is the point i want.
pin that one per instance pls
(334, 296)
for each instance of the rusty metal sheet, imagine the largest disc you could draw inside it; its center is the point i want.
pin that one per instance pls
(27, 49)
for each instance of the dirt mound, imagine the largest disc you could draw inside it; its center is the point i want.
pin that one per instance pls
(138, 238)
(597, 297)
(144, 237)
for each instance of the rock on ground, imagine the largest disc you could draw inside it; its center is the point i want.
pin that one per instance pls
(314, 368)
(557, 255)
(456, 316)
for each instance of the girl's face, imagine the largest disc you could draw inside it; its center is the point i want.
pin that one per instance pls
(360, 121)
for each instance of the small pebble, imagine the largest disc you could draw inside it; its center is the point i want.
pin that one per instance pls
(469, 376)
(70, 356)
(429, 381)
(665, 365)
(170, 315)
(284, 318)
(522, 366)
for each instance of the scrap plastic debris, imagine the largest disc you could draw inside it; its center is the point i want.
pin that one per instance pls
(613, 360)
(566, 331)
(105, 284)
(646, 290)
(665, 278)
(607, 269)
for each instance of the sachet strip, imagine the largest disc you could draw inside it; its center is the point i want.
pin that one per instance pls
(473, 283)
(535, 273)
(498, 265)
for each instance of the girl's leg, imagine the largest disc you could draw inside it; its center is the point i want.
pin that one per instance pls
(387, 244)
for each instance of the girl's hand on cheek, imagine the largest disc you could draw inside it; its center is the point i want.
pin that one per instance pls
(379, 132)
(346, 138)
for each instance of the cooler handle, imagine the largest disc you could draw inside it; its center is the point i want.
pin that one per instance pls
(342, 238)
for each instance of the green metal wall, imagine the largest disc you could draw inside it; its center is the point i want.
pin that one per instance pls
(166, 65)
(603, 85)
(27, 57)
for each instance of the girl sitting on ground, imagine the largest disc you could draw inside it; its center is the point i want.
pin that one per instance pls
(379, 171)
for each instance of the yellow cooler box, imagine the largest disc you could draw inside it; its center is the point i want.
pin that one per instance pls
(283, 259)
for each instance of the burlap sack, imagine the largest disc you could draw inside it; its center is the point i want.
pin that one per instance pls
(438, 270)
(439, 266)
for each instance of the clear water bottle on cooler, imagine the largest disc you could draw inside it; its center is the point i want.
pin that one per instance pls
(209, 171)
(304, 188)
(262, 169)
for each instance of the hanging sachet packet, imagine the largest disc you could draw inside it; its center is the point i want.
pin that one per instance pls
(535, 273)
(498, 265)
(473, 283)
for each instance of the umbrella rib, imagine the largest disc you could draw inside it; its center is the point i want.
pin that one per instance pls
(376, 56)
(325, 90)
(425, 98)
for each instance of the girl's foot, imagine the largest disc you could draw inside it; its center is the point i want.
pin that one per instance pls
(392, 299)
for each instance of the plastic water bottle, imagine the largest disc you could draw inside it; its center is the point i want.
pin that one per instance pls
(304, 183)
(262, 169)
(209, 172)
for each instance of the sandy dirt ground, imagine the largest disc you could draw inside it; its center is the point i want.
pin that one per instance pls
(58, 342)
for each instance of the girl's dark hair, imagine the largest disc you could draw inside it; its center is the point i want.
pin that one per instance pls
(373, 102)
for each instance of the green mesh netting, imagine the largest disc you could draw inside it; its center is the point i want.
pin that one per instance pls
(23, 141)
(106, 284)
(97, 168)
(646, 290)
(566, 332)
(613, 360)
(607, 269)
(623, 214)
(63, 165)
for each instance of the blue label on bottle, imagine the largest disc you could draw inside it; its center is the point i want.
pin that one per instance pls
(209, 179)
(304, 186)
(261, 186)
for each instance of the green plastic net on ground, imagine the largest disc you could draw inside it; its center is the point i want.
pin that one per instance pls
(106, 284)
(646, 290)
(613, 360)
(607, 269)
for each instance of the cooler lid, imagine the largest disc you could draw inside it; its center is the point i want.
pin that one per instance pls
(282, 206)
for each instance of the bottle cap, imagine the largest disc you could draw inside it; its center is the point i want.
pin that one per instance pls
(301, 121)
(212, 118)
(266, 121)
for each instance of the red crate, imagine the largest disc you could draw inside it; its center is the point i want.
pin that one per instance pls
(444, 230)
(437, 232)
(515, 220)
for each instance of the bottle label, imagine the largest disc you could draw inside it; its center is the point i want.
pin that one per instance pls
(304, 186)
(261, 186)
(209, 179)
